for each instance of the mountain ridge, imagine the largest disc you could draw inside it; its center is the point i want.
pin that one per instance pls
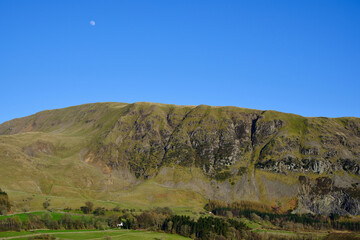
(237, 153)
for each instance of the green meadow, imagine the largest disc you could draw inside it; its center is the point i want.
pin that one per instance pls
(93, 234)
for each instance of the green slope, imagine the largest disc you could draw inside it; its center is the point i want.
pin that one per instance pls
(146, 154)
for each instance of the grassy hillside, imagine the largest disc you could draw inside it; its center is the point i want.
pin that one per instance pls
(143, 154)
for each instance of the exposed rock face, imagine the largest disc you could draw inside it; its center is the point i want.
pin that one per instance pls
(322, 196)
(349, 166)
(294, 165)
(221, 141)
(216, 139)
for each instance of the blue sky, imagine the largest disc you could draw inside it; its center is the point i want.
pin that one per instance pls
(299, 56)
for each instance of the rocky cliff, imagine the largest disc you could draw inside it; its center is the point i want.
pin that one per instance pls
(301, 164)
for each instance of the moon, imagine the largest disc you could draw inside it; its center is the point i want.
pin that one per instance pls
(92, 23)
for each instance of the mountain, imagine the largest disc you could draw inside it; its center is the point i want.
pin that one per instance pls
(145, 154)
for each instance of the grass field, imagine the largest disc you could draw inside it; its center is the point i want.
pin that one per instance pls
(86, 234)
(54, 215)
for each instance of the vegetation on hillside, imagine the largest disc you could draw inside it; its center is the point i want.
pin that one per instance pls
(237, 220)
(5, 204)
(287, 221)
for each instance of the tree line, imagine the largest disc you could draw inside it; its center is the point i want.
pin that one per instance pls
(225, 223)
(287, 220)
(157, 219)
(5, 205)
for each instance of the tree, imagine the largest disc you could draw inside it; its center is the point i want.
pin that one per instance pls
(89, 205)
(46, 218)
(5, 205)
(87, 208)
(67, 221)
(146, 220)
(46, 204)
(99, 211)
(117, 209)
